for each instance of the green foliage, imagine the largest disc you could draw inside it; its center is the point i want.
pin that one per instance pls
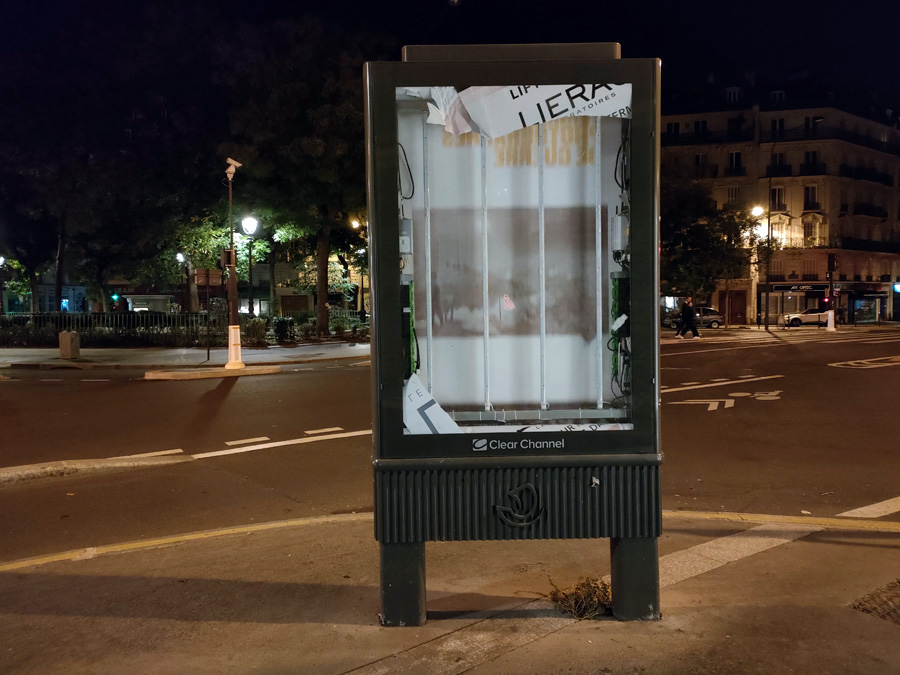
(307, 279)
(284, 327)
(255, 333)
(698, 244)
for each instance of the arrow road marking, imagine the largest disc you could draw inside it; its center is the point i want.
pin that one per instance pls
(712, 404)
(880, 362)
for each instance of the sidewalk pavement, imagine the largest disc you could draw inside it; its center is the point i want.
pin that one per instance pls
(159, 358)
(303, 597)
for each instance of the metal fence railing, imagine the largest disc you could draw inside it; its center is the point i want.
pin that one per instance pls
(115, 329)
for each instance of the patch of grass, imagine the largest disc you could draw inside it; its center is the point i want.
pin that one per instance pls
(588, 599)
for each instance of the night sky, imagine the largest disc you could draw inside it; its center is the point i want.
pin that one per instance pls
(856, 41)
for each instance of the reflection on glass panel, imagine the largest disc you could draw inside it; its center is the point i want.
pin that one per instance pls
(515, 258)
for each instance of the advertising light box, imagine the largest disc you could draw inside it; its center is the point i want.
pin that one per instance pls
(513, 234)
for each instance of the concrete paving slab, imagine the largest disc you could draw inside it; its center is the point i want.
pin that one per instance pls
(305, 598)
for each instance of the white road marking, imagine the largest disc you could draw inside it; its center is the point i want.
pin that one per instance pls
(158, 453)
(362, 363)
(719, 379)
(885, 508)
(712, 404)
(281, 444)
(247, 440)
(746, 378)
(323, 431)
(684, 384)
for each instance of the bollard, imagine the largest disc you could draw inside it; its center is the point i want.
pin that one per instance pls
(69, 345)
(830, 327)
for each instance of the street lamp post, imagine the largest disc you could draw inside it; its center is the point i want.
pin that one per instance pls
(2, 286)
(249, 225)
(184, 298)
(234, 322)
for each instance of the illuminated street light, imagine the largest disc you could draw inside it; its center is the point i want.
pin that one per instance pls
(355, 224)
(757, 211)
(249, 225)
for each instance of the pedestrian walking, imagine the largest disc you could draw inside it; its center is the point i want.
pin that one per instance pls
(687, 319)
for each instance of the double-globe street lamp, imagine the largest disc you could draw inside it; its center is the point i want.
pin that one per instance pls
(234, 322)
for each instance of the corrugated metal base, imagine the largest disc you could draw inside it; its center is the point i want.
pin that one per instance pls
(517, 503)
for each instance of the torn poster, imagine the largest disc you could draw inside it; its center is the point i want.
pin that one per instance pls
(497, 111)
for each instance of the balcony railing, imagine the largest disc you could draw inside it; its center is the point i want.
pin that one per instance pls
(829, 133)
(735, 170)
(777, 206)
(706, 171)
(863, 173)
(810, 277)
(811, 242)
(865, 209)
(708, 137)
(812, 206)
(779, 170)
(868, 245)
(813, 169)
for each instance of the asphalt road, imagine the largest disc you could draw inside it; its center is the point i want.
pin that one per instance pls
(750, 423)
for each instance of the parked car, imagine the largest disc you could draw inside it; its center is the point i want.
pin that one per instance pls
(709, 317)
(706, 317)
(807, 316)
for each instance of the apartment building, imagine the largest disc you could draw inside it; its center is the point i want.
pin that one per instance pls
(827, 179)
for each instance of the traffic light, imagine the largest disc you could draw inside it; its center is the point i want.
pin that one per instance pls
(115, 297)
(832, 262)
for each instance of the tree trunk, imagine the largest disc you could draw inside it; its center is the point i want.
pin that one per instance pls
(323, 250)
(60, 265)
(193, 294)
(274, 309)
(2, 291)
(727, 302)
(102, 289)
(35, 292)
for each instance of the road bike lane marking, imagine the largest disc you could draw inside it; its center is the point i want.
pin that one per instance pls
(158, 453)
(323, 431)
(247, 440)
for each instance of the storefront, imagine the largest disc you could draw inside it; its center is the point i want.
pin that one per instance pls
(854, 302)
(789, 298)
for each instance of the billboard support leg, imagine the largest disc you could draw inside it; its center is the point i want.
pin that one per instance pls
(403, 584)
(634, 570)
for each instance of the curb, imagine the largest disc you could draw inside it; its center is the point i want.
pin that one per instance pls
(89, 365)
(71, 467)
(209, 373)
